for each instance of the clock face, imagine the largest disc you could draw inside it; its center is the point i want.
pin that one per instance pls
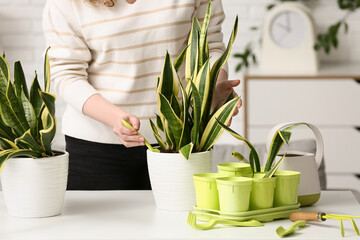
(288, 29)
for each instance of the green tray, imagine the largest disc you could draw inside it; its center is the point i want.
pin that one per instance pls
(263, 215)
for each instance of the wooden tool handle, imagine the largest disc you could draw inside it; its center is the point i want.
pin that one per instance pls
(314, 216)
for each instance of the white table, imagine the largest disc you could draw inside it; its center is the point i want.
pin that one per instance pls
(133, 215)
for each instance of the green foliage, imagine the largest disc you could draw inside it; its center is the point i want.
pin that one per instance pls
(325, 41)
(279, 138)
(186, 123)
(27, 123)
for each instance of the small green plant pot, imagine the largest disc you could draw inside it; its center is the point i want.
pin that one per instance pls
(235, 169)
(207, 195)
(234, 193)
(287, 185)
(262, 194)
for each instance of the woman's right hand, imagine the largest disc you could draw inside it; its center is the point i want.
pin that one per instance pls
(128, 137)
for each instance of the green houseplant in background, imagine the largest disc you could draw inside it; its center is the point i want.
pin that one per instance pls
(34, 176)
(325, 41)
(186, 128)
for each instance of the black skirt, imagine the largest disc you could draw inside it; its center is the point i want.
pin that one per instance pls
(98, 166)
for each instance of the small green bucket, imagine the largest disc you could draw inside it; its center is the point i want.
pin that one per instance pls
(206, 191)
(235, 168)
(287, 185)
(262, 194)
(234, 193)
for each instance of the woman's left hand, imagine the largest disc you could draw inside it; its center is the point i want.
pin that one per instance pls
(223, 90)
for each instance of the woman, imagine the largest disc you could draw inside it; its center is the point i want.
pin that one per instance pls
(105, 57)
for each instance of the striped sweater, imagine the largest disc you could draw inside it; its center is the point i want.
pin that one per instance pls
(118, 52)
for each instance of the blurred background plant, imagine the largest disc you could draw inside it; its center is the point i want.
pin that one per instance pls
(324, 42)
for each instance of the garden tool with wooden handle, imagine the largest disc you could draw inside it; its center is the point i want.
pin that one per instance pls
(321, 217)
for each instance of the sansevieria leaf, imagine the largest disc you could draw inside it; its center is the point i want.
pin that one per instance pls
(9, 117)
(7, 144)
(193, 51)
(27, 140)
(180, 60)
(28, 109)
(48, 134)
(161, 142)
(6, 154)
(203, 34)
(47, 71)
(174, 122)
(213, 130)
(35, 98)
(4, 74)
(253, 154)
(279, 138)
(216, 69)
(185, 151)
(19, 81)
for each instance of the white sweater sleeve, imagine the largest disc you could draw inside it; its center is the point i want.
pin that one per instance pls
(68, 55)
(215, 35)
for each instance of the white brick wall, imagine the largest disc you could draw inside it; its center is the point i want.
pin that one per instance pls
(21, 37)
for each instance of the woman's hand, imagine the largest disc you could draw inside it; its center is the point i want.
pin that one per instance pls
(103, 111)
(222, 91)
(127, 136)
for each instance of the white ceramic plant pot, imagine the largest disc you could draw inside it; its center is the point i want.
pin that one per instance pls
(35, 187)
(171, 178)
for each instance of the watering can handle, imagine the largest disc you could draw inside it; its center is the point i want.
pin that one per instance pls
(319, 140)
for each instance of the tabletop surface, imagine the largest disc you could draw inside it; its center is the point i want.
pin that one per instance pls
(326, 70)
(133, 215)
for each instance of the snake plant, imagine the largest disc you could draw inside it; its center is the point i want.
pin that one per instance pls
(27, 122)
(186, 120)
(280, 137)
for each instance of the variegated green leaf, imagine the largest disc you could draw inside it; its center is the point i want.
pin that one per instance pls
(20, 81)
(49, 100)
(186, 150)
(279, 138)
(169, 82)
(48, 134)
(174, 122)
(11, 153)
(35, 98)
(180, 60)
(186, 129)
(6, 131)
(28, 109)
(216, 69)
(202, 83)
(27, 140)
(154, 129)
(47, 71)
(196, 114)
(7, 144)
(10, 117)
(4, 74)
(273, 170)
(159, 123)
(253, 154)
(213, 130)
(203, 33)
(193, 51)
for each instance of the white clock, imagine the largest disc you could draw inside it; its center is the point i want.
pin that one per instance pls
(288, 40)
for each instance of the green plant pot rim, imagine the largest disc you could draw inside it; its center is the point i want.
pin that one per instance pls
(258, 177)
(234, 181)
(287, 173)
(208, 177)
